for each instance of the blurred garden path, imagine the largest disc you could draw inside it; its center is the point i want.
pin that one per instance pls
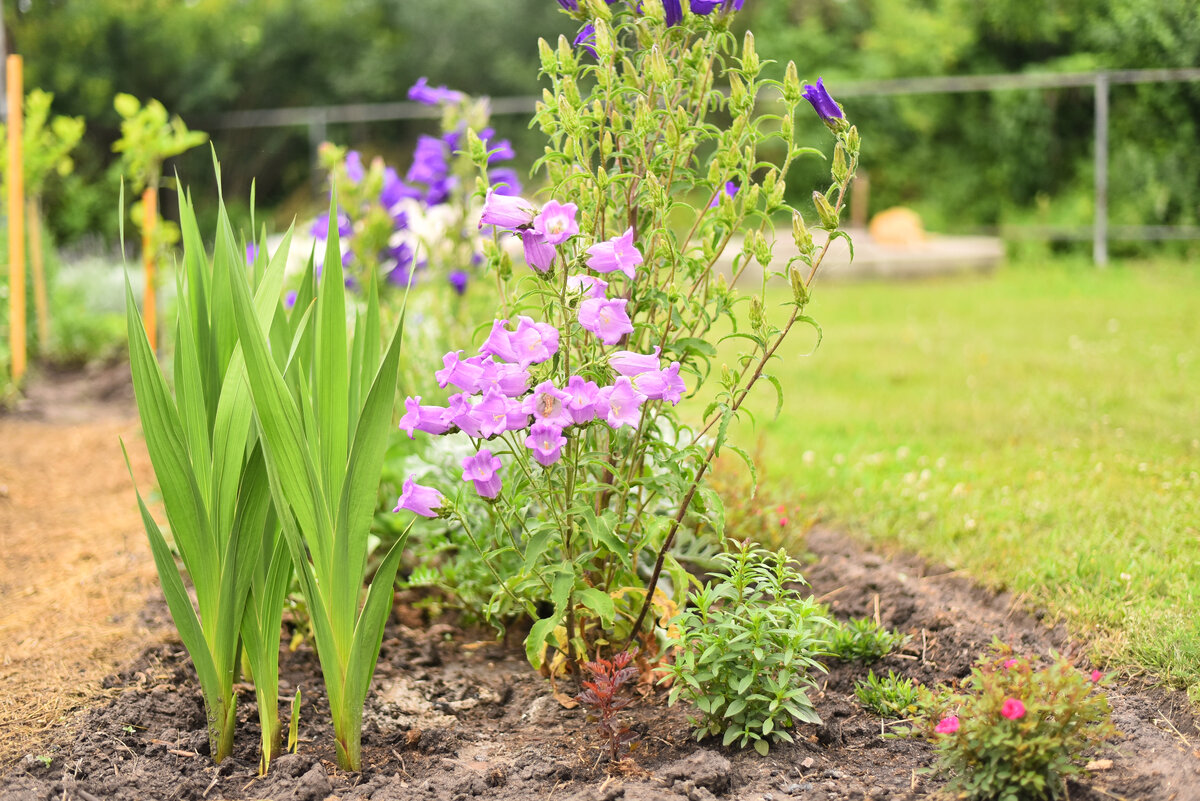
(75, 573)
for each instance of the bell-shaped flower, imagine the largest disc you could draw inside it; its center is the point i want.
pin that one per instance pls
(512, 380)
(629, 363)
(615, 254)
(672, 12)
(546, 441)
(422, 92)
(661, 384)
(505, 181)
(587, 39)
(548, 405)
(459, 372)
(731, 189)
(354, 166)
(507, 211)
(587, 285)
(499, 342)
(460, 413)
(425, 501)
(534, 342)
(556, 222)
(620, 404)
(430, 419)
(539, 253)
(606, 319)
(581, 399)
(483, 469)
(497, 414)
(826, 108)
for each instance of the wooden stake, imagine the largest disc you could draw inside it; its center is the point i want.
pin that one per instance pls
(16, 216)
(149, 299)
(40, 303)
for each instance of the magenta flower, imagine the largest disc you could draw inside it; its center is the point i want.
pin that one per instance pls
(482, 468)
(499, 342)
(947, 725)
(620, 404)
(497, 414)
(556, 222)
(534, 343)
(615, 254)
(425, 501)
(661, 384)
(587, 285)
(430, 419)
(628, 363)
(546, 441)
(1096, 676)
(461, 413)
(507, 211)
(548, 405)
(581, 402)
(1009, 664)
(606, 319)
(461, 373)
(825, 106)
(1013, 709)
(511, 380)
(539, 253)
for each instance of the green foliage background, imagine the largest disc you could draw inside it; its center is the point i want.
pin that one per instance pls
(963, 160)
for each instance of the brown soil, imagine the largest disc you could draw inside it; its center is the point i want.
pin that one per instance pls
(451, 716)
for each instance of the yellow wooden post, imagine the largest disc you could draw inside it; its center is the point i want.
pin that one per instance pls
(16, 217)
(38, 263)
(149, 299)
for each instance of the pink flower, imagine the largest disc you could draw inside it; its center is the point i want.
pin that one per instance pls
(661, 384)
(1009, 664)
(582, 402)
(430, 419)
(511, 379)
(1012, 709)
(620, 404)
(947, 725)
(459, 372)
(606, 319)
(539, 253)
(482, 470)
(425, 501)
(588, 286)
(629, 363)
(1096, 676)
(534, 342)
(547, 404)
(546, 441)
(506, 211)
(499, 342)
(615, 254)
(496, 414)
(556, 222)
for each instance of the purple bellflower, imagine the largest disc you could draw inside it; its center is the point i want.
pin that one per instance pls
(507, 211)
(629, 363)
(505, 181)
(460, 373)
(587, 285)
(533, 342)
(459, 280)
(548, 405)
(620, 404)
(511, 380)
(546, 441)
(460, 412)
(430, 419)
(615, 254)
(581, 403)
(825, 106)
(673, 11)
(606, 319)
(587, 39)
(661, 384)
(251, 253)
(354, 166)
(731, 189)
(422, 92)
(482, 469)
(556, 222)
(425, 501)
(539, 253)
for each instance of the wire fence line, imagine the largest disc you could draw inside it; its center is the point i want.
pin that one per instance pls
(317, 119)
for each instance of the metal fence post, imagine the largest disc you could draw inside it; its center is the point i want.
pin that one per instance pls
(1100, 221)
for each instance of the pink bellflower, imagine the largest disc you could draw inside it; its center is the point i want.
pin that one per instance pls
(556, 222)
(581, 403)
(430, 419)
(620, 404)
(615, 254)
(425, 501)
(546, 441)
(606, 319)
(483, 469)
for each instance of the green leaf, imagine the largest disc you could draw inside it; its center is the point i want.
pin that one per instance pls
(539, 633)
(599, 602)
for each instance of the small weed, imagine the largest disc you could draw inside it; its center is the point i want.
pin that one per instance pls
(45, 759)
(892, 697)
(862, 640)
(603, 698)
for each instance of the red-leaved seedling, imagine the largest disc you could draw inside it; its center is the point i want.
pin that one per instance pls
(603, 697)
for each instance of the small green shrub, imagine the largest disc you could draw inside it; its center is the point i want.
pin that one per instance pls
(1015, 731)
(746, 649)
(891, 697)
(862, 640)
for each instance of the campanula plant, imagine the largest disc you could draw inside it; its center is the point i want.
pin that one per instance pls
(213, 479)
(610, 299)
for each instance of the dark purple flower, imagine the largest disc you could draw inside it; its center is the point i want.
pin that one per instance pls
(674, 12)
(422, 92)
(826, 108)
(569, 5)
(458, 279)
(731, 189)
(500, 150)
(320, 227)
(394, 190)
(587, 39)
(505, 181)
(705, 7)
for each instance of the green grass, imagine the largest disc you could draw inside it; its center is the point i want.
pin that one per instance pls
(1039, 428)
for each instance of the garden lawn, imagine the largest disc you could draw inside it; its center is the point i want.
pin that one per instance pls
(1039, 428)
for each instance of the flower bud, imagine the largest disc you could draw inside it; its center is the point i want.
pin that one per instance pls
(656, 67)
(756, 313)
(801, 234)
(737, 93)
(603, 39)
(549, 62)
(775, 196)
(750, 61)
(599, 11)
(799, 290)
(852, 140)
(827, 213)
(566, 56)
(476, 148)
(752, 193)
(840, 170)
(792, 92)
(762, 250)
(787, 128)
